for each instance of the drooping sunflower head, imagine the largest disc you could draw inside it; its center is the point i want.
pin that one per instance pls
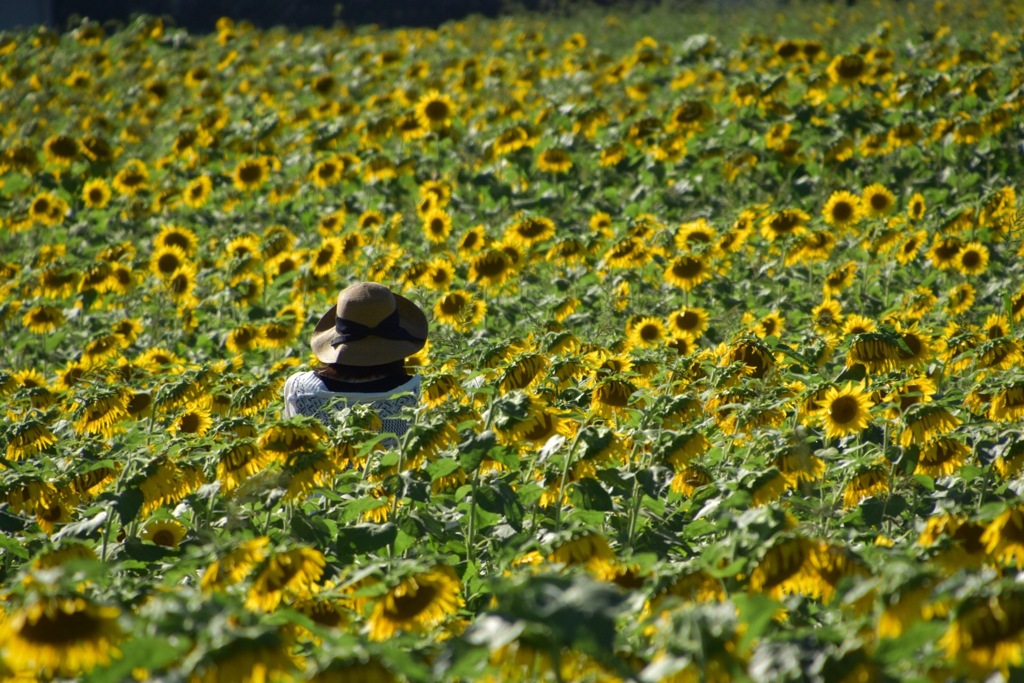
(417, 603)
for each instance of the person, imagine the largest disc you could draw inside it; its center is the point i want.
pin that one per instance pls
(362, 341)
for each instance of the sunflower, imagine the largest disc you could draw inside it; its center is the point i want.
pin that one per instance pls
(944, 251)
(923, 422)
(877, 200)
(197, 191)
(490, 268)
(249, 174)
(47, 209)
(688, 321)
(28, 437)
(101, 413)
(845, 411)
(847, 69)
(783, 223)
(234, 565)
(167, 533)
(697, 234)
(435, 110)
(181, 283)
(647, 332)
(986, 635)
(972, 259)
(195, 420)
(419, 602)
(942, 456)
(771, 325)
(43, 319)
(529, 231)
(686, 272)
(554, 160)
(916, 207)
(460, 310)
(843, 210)
(326, 173)
(437, 225)
(177, 236)
(61, 149)
(96, 193)
(1008, 404)
(132, 178)
(168, 260)
(60, 636)
(786, 568)
(290, 574)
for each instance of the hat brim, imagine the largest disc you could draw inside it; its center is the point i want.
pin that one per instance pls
(372, 350)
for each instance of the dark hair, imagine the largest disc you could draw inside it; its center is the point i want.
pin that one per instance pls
(343, 372)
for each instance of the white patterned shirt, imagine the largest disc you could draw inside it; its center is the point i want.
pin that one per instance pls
(306, 394)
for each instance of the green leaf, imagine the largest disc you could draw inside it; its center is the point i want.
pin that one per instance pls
(757, 612)
(925, 481)
(590, 495)
(364, 538)
(473, 450)
(442, 468)
(12, 546)
(151, 654)
(128, 505)
(84, 527)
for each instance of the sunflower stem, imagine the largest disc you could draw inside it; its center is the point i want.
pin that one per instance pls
(561, 483)
(471, 531)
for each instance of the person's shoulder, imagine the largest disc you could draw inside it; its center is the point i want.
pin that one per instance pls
(305, 382)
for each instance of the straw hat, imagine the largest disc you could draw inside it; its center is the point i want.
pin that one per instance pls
(369, 325)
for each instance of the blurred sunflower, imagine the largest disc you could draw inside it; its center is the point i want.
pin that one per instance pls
(972, 259)
(437, 225)
(686, 272)
(250, 174)
(842, 210)
(417, 603)
(96, 193)
(554, 160)
(60, 637)
(878, 200)
(435, 110)
(167, 533)
(132, 178)
(285, 575)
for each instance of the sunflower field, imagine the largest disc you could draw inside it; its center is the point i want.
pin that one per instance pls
(724, 379)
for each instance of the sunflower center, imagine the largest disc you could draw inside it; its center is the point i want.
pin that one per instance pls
(650, 333)
(250, 173)
(452, 304)
(687, 268)
(138, 403)
(491, 265)
(411, 605)
(971, 259)
(190, 423)
(844, 409)
(165, 538)
(168, 263)
(436, 110)
(913, 342)
(850, 66)
(842, 211)
(531, 228)
(61, 628)
(132, 179)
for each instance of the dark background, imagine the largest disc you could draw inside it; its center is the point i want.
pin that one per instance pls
(199, 16)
